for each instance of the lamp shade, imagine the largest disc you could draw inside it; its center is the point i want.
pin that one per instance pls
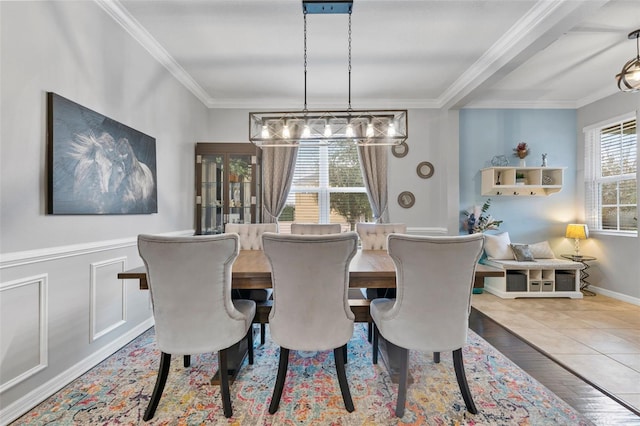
(577, 231)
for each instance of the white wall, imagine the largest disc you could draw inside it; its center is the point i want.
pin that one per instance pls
(59, 296)
(617, 270)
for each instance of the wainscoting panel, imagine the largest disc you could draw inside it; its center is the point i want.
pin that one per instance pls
(108, 309)
(23, 332)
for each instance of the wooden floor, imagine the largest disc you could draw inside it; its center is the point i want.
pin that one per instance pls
(585, 398)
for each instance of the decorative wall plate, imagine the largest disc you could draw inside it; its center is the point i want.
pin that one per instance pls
(406, 199)
(400, 150)
(425, 170)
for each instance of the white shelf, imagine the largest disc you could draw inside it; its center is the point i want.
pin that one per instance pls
(538, 181)
(536, 283)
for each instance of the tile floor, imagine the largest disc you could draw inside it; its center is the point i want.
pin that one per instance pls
(597, 337)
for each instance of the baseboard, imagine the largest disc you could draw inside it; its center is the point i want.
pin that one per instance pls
(35, 397)
(615, 295)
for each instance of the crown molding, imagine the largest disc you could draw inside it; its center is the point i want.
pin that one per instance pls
(122, 16)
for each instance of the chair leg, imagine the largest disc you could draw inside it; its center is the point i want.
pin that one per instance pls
(263, 329)
(338, 354)
(224, 383)
(250, 344)
(369, 331)
(187, 361)
(161, 380)
(404, 380)
(375, 343)
(436, 357)
(282, 374)
(344, 354)
(458, 365)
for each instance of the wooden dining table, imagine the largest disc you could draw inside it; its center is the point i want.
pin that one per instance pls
(368, 269)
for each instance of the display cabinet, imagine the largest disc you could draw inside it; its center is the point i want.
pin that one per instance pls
(228, 185)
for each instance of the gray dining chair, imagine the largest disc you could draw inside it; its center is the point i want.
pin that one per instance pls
(251, 239)
(373, 236)
(323, 229)
(315, 228)
(310, 276)
(431, 310)
(189, 282)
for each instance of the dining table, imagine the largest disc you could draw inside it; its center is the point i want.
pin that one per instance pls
(368, 269)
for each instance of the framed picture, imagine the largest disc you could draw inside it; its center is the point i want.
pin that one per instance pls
(97, 165)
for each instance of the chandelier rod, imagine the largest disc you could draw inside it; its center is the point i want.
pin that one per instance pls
(349, 108)
(305, 58)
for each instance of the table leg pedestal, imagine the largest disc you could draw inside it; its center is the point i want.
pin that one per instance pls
(390, 355)
(236, 355)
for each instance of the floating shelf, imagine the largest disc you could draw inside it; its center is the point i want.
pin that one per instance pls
(535, 181)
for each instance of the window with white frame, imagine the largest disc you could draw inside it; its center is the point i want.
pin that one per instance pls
(611, 188)
(327, 187)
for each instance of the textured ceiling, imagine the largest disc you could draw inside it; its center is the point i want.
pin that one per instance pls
(405, 53)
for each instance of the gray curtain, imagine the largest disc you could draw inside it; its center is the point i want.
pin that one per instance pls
(278, 164)
(373, 162)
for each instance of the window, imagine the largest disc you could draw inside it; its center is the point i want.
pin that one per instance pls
(611, 193)
(327, 187)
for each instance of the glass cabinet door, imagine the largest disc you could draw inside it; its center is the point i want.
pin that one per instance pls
(213, 196)
(240, 189)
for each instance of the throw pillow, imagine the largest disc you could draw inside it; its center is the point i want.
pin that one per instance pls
(522, 252)
(497, 246)
(541, 250)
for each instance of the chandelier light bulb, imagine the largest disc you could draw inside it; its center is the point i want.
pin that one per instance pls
(349, 131)
(265, 131)
(285, 132)
(369, 133)
(306, 132)
(327, 130)
(391, 131)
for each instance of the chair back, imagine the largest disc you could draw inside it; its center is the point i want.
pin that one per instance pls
(315, 228)
(434, 285)
(373, 236)
(190, 286)
(310, 278)
(250, 233)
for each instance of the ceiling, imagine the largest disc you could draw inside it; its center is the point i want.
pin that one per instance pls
(405, 53)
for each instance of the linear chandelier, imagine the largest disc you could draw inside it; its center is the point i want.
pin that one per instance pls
(629, 77)
(292, 128)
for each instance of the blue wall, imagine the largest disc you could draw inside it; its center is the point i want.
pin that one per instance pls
(485, 133)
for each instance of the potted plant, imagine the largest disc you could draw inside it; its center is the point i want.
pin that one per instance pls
(521, 178)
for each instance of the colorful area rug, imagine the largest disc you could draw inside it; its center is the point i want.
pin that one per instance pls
(117, 391)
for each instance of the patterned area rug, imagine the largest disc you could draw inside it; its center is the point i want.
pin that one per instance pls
(117, 391)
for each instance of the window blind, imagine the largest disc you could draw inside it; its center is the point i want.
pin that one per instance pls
(327, 187)
(610, 177)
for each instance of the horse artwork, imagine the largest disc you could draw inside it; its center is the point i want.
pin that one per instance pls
(97, 165)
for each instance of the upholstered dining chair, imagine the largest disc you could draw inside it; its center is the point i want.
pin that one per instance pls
(310, 276)
(189, 282)
(315, 228)
(323, 229)
(431, 310)
(373, 236)
(251, 239)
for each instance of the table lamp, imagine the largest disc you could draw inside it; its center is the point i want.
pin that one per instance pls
(578, 232)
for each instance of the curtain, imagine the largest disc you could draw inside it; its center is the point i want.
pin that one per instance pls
(373, 162)
(278, 164)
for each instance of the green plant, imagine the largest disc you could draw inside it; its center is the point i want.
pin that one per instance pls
(519, 175)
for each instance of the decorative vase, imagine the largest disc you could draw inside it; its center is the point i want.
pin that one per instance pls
(523, 163)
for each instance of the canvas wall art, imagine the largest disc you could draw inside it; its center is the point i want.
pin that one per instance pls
(97, 165)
